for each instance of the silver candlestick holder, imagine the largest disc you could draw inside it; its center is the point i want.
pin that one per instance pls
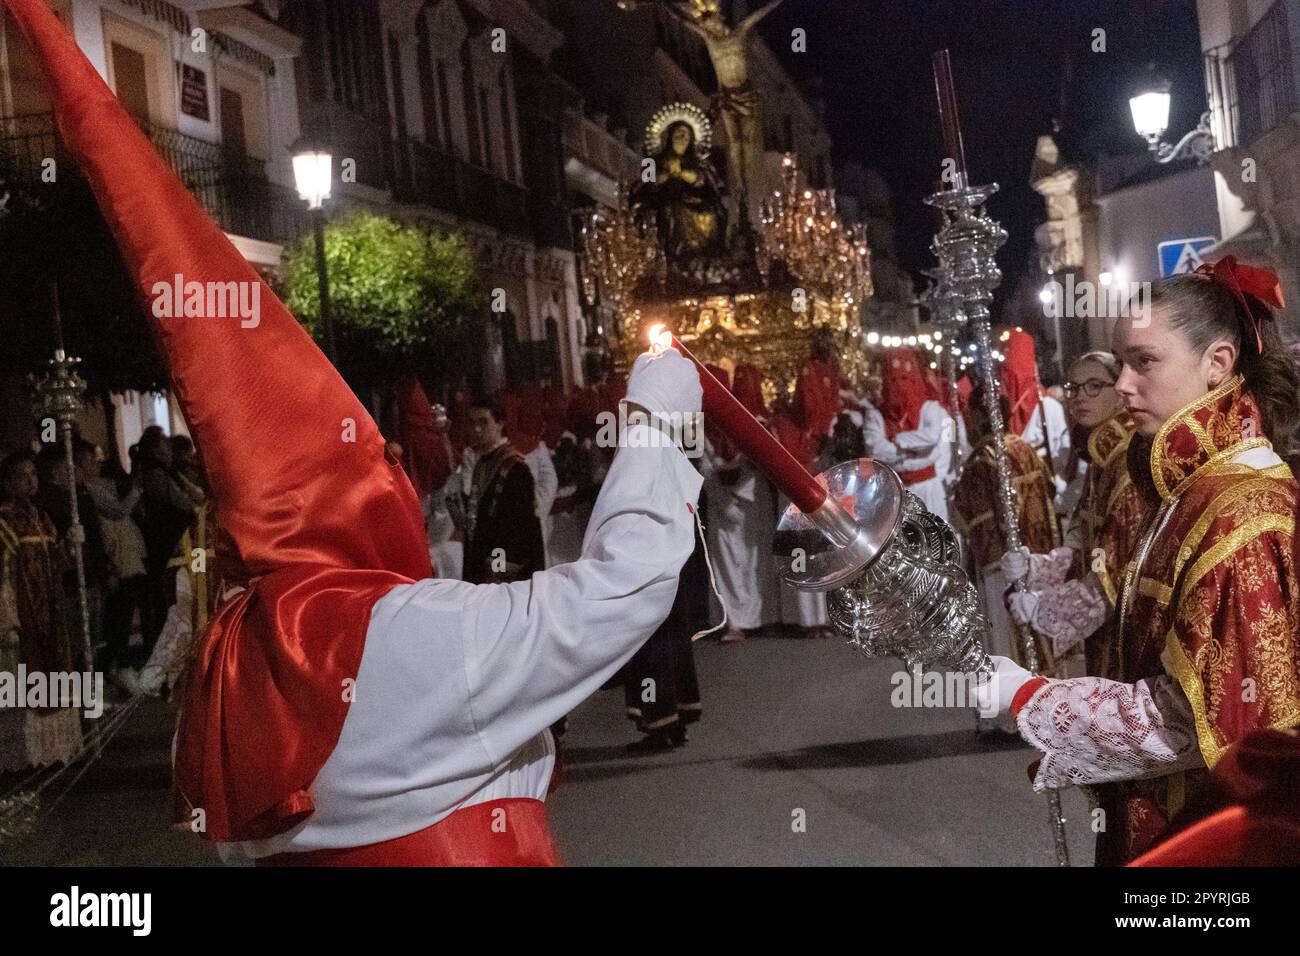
(58, 396)
(966, 247)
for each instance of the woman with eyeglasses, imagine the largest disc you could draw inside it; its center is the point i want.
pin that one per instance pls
(1208, 624)
(1102, 531)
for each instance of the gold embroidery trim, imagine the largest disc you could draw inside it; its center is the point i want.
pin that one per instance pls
(1238, 538)
(1222, 463)
(1150, 587)
(1181, 669)
(1179, 418)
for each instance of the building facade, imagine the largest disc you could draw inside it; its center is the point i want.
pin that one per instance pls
(1252, 61)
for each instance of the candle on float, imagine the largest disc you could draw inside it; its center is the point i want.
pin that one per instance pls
(734, 420)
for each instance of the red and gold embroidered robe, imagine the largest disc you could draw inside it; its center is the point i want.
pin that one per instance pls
(1111, 514)
(1212, 596)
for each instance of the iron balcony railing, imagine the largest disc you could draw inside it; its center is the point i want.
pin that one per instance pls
(444, 181)
(233, 188)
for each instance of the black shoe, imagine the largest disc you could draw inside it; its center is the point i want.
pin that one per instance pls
(677, 734)
(657, 741)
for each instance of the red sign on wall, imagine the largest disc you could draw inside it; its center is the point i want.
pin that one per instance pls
(194, 92)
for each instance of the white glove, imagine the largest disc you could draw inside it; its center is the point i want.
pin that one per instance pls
(665, 383)
(993, 696)
(1015, 564)
(1023, 605)
(1039, 571)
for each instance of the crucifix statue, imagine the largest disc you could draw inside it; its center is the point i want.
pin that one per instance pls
(737, 100)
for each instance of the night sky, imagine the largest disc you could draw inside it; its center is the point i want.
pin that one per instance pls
(1018, 65)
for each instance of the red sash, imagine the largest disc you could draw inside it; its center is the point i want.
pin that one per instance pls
(918, 476)
(510, 832)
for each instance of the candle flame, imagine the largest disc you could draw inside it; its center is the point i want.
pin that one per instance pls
(660, 338)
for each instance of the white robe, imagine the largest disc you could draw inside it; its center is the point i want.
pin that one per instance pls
(741, 522)
(1051, 414)
(933, 439)
(458, 682)
(801, 608)
(545, 485)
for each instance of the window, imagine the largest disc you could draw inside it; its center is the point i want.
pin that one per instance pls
(471, 105)
(486, 120)
(234, 138)
(131, 80)
(507, 130)
(428, 88)
(444, 104)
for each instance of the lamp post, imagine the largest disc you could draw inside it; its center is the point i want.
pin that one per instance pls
(313, 171)
(1150, 109)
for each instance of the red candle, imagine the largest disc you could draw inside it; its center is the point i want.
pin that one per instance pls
(943, 87)
(768, 454)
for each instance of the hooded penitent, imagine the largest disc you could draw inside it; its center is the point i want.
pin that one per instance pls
(904, 389)
(1020, 378)
(293, 460)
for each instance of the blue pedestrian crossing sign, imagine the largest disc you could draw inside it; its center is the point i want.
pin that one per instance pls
(1182, 255)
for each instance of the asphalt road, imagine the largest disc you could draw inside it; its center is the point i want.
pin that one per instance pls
(799, 759)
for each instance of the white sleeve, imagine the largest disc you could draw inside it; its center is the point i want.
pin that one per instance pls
(545, 481)
(536, 649)
(1093, 730)
(878, 445)
(1059, 430)
(929, 434)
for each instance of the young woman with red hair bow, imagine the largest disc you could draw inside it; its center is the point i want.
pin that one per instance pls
(1208, 626)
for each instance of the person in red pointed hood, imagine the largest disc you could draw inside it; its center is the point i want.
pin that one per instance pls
(918, 430)
(345, 708)
(817, 393)
(424, 454)
(1035, 416)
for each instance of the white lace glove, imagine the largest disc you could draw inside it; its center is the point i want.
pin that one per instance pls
(1015, 564)
(1040, 571)
(665, 383)
(993, 697)
(1066, 614)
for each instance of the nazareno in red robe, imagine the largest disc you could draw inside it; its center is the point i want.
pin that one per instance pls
(323, 522)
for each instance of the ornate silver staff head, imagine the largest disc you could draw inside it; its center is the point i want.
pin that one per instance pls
(897, 588)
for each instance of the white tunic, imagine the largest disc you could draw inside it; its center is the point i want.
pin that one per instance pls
(459, 682)
(545, 485)
(932, 438)
(1049, 419)
(741, 522)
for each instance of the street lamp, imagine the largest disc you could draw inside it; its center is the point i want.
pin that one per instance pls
(1150, 109)
(313, 171)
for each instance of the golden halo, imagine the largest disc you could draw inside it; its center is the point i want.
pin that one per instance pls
(687, 113)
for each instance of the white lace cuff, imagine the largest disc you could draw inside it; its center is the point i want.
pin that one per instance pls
(1092, 730)
(1068, 613)
(1048, 570)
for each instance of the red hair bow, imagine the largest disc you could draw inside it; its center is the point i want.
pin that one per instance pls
(1263, 284)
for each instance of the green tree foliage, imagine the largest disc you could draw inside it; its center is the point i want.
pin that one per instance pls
(403, 298)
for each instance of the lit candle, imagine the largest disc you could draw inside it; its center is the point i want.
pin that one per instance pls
(734, 420)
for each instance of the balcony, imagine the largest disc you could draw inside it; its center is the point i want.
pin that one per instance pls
(232, 188)
(443, 181)
(1252, 82)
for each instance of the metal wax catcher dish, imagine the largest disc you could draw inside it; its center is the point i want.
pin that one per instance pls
(898, 589)
(873, 495)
